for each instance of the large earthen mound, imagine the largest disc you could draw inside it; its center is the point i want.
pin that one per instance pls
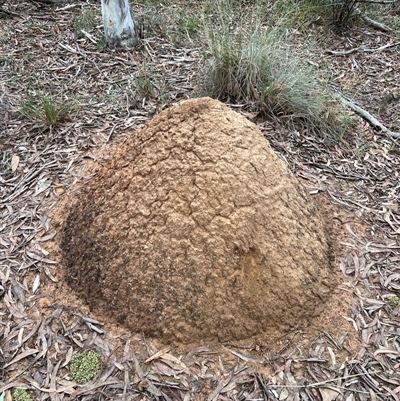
(196, 231)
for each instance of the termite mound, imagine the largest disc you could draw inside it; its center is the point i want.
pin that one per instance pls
(196, 231)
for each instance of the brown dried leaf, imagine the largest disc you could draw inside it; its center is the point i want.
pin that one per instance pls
(329, 394)
(14, 163)
(22, 355)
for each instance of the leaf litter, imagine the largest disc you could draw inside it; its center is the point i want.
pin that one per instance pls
(38, 338)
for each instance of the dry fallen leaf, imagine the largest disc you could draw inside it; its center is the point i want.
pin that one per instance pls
(329, 394)
(36, 284)
(142, 385)
(42, 185)
(14, 162)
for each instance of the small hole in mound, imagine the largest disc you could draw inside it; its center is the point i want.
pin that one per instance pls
(121, 319)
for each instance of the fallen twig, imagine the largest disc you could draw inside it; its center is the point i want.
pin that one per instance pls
(372, 22)
(369, 117)
(362, 49)
(6, 12)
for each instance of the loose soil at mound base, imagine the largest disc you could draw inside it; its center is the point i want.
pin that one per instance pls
(265, 307)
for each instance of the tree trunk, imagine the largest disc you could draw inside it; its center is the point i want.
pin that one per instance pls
(119, 27)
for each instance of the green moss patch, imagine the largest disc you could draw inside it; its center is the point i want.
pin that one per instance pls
(84, 366)
(19, 394)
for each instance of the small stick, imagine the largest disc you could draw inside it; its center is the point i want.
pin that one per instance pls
(369, 117)
(362, 49)
(372, 22)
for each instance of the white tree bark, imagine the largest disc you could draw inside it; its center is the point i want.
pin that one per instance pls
(119, 27)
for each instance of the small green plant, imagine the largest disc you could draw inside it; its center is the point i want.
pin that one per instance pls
(189, 22)
(148, 84)
(396, 23)
(48, 109)
(5, 34)
(84, 366)
(86, 21)
(101, 44)
(5, 164)
(394, 147)
(20, 394)
(394, 301)
(363, 147)
(6, 59)
(145, 85)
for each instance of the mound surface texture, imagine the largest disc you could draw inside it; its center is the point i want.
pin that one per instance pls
(196, 231)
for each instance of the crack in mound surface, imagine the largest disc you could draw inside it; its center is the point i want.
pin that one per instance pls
(195, 231)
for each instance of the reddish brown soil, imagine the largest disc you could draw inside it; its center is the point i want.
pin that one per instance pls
(196, 231)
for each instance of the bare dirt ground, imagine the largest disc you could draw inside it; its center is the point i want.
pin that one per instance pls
(355, 352)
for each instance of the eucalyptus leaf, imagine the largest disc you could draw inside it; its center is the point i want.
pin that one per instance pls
(42, 185)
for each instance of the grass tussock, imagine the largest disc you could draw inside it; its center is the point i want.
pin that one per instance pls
(248, 62)
(47, 109)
